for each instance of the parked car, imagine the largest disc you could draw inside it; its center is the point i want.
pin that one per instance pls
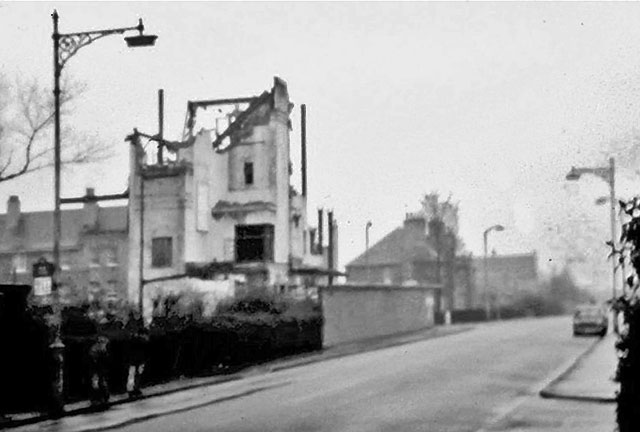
(590, 319)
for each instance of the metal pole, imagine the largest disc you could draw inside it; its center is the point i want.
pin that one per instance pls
(56, 142)
(612, 199)
(366, 251)
(160, 124)
(331, 245)
(320, 223)
(487, 309)
(57, 346)
(303, 145)
(141, 256)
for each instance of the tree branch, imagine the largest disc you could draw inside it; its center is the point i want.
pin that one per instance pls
(24, 121)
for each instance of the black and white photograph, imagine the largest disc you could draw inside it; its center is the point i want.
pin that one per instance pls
(305, 216)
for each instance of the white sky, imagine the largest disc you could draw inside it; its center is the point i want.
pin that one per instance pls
(492, 102)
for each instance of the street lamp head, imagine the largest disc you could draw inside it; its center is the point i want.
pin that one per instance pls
(573, 174)
(141, 40)
(499, 228)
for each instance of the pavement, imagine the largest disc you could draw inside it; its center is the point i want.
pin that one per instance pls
(579, 399)
(590, 378)
(185, 384)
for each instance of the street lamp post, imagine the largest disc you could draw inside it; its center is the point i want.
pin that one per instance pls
(601, 201)
(485, 235)
(607, 174)
(366, 249)
(65, 46)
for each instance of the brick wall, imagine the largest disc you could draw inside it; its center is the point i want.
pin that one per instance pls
(353, 312)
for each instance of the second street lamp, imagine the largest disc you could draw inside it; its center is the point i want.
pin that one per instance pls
(366, 250)
(607, 174)
(485, 235)
(65, 46)
(602, 201)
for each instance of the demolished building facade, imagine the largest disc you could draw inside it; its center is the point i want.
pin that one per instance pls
(220, 202)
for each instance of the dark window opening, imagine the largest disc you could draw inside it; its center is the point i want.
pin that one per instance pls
(161, 252)
(254, 243)
(248, 173)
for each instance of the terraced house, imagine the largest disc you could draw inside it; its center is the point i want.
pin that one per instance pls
(93, 247)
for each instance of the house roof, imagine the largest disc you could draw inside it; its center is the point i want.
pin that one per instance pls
(400, 245)
(510, 260)
(523, 264)
(34, 231)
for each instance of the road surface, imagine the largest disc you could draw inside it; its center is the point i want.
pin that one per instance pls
(461, 382)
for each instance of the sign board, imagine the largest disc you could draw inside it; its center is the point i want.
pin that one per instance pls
(42, 277)
(42, 286)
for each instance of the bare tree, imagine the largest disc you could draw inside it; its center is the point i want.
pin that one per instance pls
(26, 125)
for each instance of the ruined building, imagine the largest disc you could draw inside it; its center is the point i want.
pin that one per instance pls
(219, 204)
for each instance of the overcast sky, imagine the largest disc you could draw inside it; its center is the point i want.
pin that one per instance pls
(491, 102)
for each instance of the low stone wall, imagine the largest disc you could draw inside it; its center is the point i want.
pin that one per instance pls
(357, 312)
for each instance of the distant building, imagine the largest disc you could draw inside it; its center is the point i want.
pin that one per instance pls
(93, 246)
(507, 275)
(419, 252)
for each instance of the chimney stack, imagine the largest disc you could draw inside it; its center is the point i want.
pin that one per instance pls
(90, 210)
(13, 211)
(320, 215)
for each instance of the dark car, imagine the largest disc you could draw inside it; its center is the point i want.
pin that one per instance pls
(590, 320)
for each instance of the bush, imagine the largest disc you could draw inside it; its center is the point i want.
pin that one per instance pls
(253, 328)
(628, 343)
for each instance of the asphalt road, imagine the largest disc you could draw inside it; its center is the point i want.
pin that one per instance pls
(461, 382)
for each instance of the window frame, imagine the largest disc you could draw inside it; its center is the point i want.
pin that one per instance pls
(248, 171)
(165, 259)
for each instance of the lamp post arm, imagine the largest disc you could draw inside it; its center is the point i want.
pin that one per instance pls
(70, 43)
(602, 172)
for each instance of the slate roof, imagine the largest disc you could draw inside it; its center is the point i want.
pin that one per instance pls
(403, 244)
(35, 229)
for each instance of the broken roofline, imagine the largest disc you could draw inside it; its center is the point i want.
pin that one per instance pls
(254, 103)
(192, 106)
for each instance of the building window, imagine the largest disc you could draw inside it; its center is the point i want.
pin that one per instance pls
(254, 243)
(387, 276)
(161, 252)
(110, 257)
(94, 259)
(65, 263)
(248, 173)
(19, 263)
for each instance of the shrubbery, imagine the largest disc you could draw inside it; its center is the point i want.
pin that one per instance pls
(256, 327)
(628, 343)
(253, 328)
